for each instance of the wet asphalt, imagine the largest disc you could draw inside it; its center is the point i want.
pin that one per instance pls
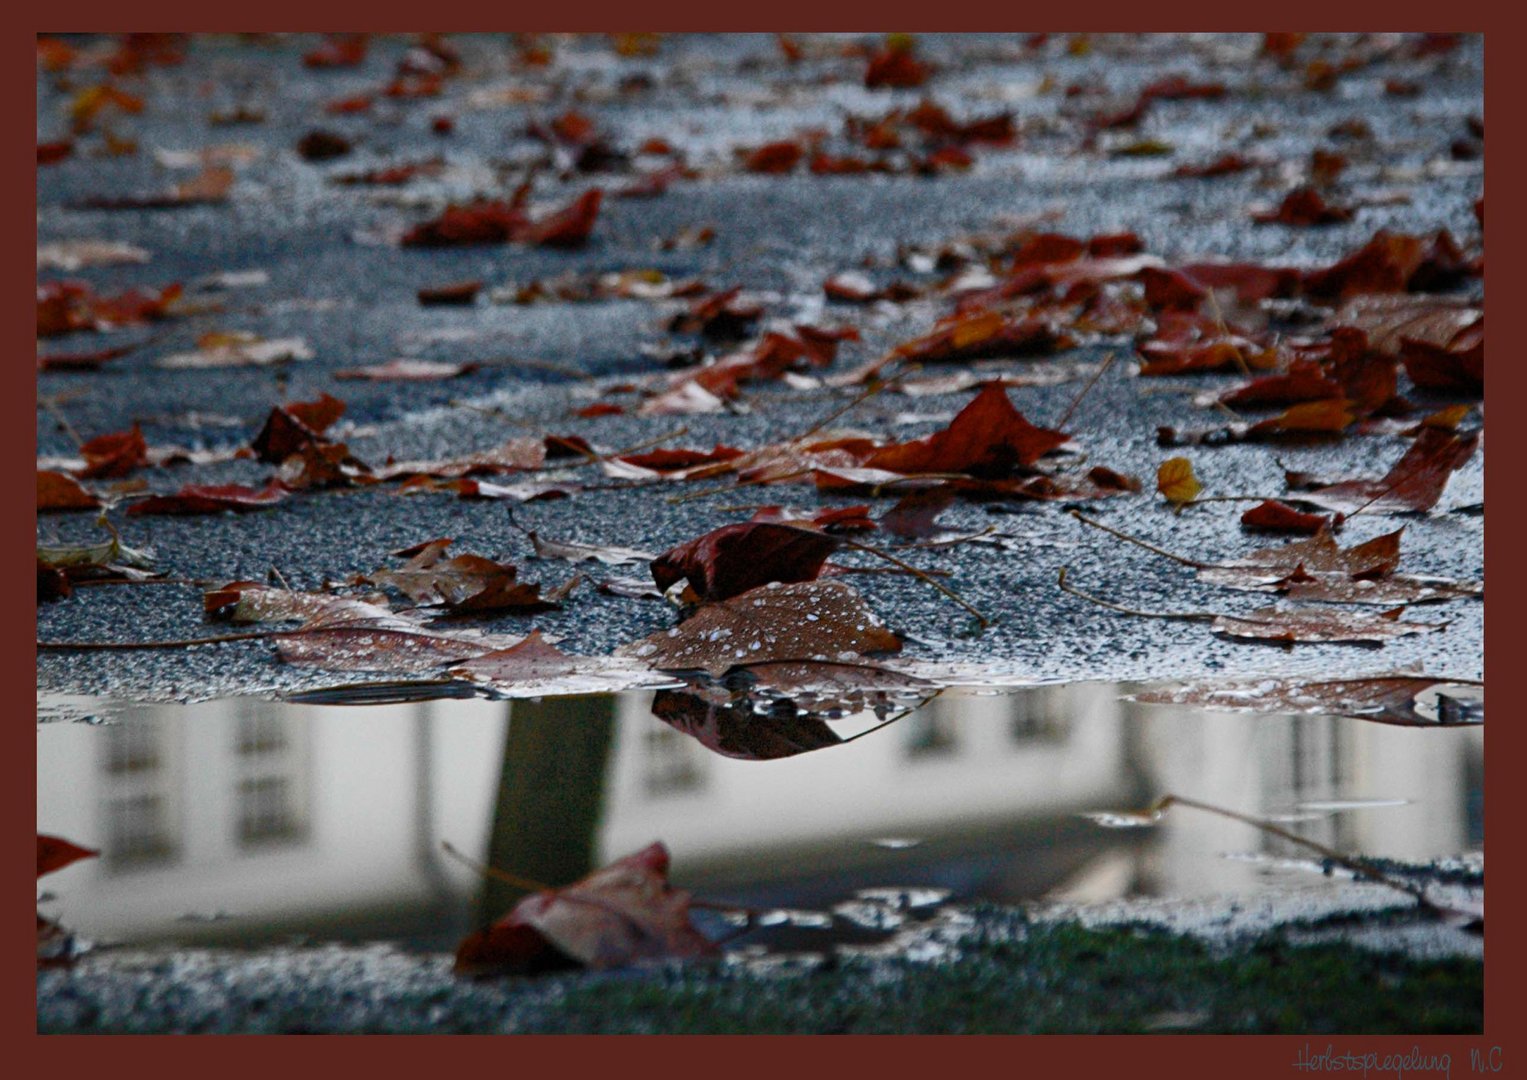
(336, 280)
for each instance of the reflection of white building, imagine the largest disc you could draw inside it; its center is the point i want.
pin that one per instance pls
(318, 819)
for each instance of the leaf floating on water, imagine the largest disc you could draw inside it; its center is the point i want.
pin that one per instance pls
(622, 914)
(818, 620)
(1411, 700)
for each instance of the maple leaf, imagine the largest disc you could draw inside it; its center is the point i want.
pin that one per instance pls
(619, 915)
(736, 558)
(1413, 485)
(55, 853)
(291, 427)
(212, 499)
(796, 621)
(988, 437)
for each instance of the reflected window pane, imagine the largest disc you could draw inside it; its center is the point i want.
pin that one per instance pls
(1040, 716)
(930, 731)
(669, 764)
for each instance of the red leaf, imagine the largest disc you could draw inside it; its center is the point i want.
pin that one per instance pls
(736, 558)
(989, 437)
(113, 455)
(1278, 517)
(774, 157)
(58, 491)
(55, 853)
(212, 499)
(1303, 207)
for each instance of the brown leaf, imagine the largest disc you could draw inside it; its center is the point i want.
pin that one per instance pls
(59, 491)
(736, 558)
(814, 620)
(1413, 485)
(404, 370)
(988, 437)
(212, 499)
(113, 455)
(1293, 625)
(465, 583)
(1412, 700)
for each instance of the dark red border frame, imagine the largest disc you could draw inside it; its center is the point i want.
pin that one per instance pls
(1206, 1055)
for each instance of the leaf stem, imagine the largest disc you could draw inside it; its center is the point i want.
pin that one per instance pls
(1138, 542)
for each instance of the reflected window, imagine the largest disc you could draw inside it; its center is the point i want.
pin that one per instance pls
(270, 803)
(1039, 715)
(140, 806)
(670, 762)
(931, 731)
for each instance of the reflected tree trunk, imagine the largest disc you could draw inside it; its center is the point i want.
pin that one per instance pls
(550, 795)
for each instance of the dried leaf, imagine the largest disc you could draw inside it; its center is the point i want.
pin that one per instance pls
(212, 499)
(1411, 700)
(736, 558)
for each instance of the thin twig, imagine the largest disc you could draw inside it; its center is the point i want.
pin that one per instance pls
(1354, 865)
(1096, 375)
(1137, 541)
(921, 574)
(1187, 616)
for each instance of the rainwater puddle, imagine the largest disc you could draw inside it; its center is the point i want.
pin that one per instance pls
(842, 822)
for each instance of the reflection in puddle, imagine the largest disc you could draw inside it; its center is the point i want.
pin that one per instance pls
(245, 820)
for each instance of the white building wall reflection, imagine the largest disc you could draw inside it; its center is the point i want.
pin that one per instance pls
(317, 817)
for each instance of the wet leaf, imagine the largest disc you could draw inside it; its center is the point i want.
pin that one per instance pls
(736, 558)
(113, 455)
(1295, 625)
(574, 552)
(1412, 700)
(1413, 485)
(252, 602)
(238, 349)
(619, 915)
(1278, 517)
(817, 620)
(516, 455)
(212, 499)
(463, 583)
(295, 425)
(497, 222)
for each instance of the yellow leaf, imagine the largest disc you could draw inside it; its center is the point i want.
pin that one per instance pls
(1175, 480)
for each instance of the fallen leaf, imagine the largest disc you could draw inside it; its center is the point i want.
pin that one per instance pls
(1176, 482)
(463, 583)
(211, 499)
(1271, 515)
(609, 556)
(736, 558)
(237, 349)
(1410, 700)
(72, 255)
(405, 370)
(813, 620)
(59, 491)
(1413, 485)
(1298, 625)
(113, 455)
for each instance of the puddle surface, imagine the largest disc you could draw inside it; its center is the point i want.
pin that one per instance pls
(246, 821)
